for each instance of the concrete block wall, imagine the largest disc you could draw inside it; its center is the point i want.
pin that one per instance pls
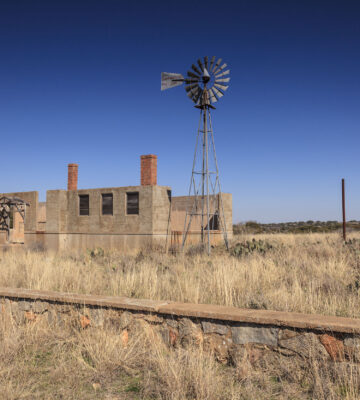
(227, 332)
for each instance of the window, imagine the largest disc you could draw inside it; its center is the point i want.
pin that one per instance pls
(83, 204)
(169, 195)
(132, 203)
(107, 204)
(214, 223)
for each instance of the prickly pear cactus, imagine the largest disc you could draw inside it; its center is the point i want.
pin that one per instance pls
(248, 247)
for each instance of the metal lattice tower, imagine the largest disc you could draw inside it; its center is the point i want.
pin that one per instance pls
(205, 84)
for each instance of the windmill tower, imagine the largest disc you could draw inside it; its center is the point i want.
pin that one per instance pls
(205, 85)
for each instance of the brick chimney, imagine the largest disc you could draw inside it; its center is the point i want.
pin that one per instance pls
(72, 176)
(148, 170)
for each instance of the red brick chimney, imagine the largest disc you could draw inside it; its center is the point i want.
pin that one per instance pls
(72, 176)
(148, 170)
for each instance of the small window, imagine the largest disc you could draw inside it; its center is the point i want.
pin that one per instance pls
(214, 223)
(169, 195)
(132, 203)
(107, 204)
(83, 204)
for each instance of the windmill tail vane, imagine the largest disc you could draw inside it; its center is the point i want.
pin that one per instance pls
(205, 83)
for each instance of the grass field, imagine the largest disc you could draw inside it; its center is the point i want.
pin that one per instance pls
(313, 273)
(310, 273)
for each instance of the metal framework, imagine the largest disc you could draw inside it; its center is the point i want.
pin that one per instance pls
(7, 206)
(206, 84)
(205, 184)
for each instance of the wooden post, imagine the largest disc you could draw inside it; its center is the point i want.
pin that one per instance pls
(343, 208)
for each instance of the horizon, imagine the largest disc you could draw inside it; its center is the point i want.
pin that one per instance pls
(80, 82)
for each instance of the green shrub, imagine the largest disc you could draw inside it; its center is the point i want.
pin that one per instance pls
(246, 248)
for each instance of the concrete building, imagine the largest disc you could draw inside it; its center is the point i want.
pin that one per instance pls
(122, 218)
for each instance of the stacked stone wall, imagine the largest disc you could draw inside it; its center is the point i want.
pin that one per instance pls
(230, 334)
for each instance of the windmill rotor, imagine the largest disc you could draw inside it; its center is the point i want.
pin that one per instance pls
(205, 82)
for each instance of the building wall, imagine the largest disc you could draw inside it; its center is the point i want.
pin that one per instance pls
(41, 216)
(181, 204)
(57, 225)
(31, 211)
(119, 230)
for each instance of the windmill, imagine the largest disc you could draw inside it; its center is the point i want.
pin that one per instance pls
(205, 84)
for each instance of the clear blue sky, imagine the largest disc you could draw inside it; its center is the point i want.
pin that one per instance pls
(80, 82)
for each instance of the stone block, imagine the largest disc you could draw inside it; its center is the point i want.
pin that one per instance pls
(190, 332)
(250, 334)
(169, 335)
(306, 345)
(125, 319)
(24, 305)
(39, 307)
(287, 334)
(352, 342)
(214, 327)
(84, 321)
(97, 317)
(333, 346)
(172, 323)
(219, 345)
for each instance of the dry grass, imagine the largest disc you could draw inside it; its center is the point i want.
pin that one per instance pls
(312, 273)
(307, 273)
(41, 363)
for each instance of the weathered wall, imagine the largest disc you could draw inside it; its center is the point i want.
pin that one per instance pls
(179, 206)
(31, 211)
(41, 216)
(66, 229)
(226, 331)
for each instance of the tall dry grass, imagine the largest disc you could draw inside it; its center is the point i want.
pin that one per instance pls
(64, 363)
(310, 273)
(307, 273)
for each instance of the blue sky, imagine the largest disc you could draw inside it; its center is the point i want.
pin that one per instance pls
(80, 82)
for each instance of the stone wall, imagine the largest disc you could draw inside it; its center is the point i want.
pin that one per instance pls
(226, 331)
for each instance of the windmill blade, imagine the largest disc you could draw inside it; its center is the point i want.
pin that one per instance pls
(200, 64)
(222, 80)
(206, 61)
(217, 64)
(222, 87)
(212, 62)
(213, 99)
(170, 80)
(223, 74)
(218, 92)
(190, 87)
(220, 68)
(197, 96)
(196, 69)
(190, 73)
(195, 93)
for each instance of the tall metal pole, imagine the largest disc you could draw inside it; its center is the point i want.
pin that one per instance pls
(343, 208)
(207, 183)
(203, 179)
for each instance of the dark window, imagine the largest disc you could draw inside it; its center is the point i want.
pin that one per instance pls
(83, 204)
(107, 204)
(214, 223)
(132, 203)
(169, 195)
